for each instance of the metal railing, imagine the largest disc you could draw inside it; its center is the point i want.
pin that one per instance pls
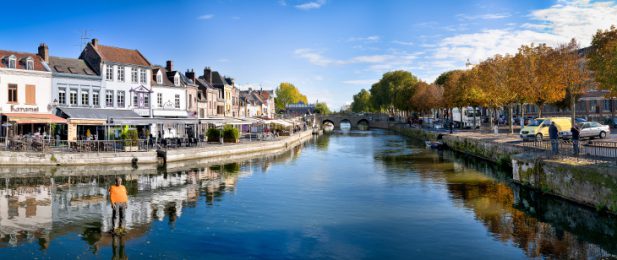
(589, 150)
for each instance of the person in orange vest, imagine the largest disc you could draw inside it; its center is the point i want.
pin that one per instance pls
(118, 197)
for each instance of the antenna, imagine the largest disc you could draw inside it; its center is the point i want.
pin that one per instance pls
(84, 38)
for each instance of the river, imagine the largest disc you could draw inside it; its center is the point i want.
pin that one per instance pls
(358, 195)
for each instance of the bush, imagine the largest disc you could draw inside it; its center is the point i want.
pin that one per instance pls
(231, 134)
(130, 137)
(213, 135)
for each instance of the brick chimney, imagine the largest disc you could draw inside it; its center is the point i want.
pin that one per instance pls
(95, 42)
(190, 75)
(208, 74)
(44, 52)
(170, 66)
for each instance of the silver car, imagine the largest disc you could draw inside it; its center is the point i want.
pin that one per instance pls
(589, 130)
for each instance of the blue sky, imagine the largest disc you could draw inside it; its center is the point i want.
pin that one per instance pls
(330, 49)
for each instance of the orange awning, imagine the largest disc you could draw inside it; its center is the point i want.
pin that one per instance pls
(26, 118)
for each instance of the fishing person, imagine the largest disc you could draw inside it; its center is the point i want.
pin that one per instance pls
(118, 197)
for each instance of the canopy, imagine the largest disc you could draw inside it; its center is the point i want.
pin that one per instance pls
(27, 118)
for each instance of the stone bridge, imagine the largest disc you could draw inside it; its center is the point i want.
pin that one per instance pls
(370, 120)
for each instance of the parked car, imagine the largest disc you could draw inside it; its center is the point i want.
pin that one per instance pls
(589, 130)
(537, 129)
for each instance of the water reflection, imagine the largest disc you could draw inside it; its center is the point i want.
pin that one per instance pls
(38, 205)
(540, 225)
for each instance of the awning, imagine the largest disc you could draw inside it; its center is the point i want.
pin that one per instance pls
(26, 118)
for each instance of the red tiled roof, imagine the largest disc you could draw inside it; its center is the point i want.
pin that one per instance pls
(4, 55)
(121, 55)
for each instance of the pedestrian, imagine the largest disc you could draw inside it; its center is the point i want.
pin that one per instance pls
(118, 197)
(575, 138)
(553, 133)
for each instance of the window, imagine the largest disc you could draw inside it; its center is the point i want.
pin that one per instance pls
(134, 75)
(30, 95)
(85, 98)
(95, 98)
(177, 101)
(159, 78)
(12, 62)
(12, 93)
(159, 99)
(29, 64)
(109, 75)
(109, 98)
(73, 97)
(120, 98)
(62, 97)
(120, 72)
(142, 76)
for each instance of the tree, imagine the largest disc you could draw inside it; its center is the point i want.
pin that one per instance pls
(572, 74)
(322, 108)
(393, 91)
(362, 102)
(603, 60)
(287, 93)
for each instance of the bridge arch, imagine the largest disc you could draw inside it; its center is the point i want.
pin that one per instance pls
(363, 124)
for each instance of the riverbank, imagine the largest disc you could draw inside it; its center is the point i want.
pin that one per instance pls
(213, 152)
(586, 182)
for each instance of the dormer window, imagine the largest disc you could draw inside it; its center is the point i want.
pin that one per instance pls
(12, 63)
(159, 78)
(29, 63)
(176, 80)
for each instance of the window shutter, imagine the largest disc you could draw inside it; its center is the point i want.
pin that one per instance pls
(30, 95)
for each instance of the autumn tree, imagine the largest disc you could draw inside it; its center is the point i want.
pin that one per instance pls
(603, 60)
(572, 74)
(287, 93)
(362, 102)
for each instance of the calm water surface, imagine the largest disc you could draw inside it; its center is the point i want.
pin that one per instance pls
(353, 196)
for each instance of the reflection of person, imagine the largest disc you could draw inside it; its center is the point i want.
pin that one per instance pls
(575, 137)
(117, 246)
(553, 133)
(118, 197)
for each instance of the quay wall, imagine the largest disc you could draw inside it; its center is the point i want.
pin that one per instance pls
(9, 158)
(587, 183)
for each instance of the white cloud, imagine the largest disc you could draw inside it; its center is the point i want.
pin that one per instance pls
(495, 16)
(360, 81)
(205, 17)
(372, 38)
(557, 24)
(311, 5)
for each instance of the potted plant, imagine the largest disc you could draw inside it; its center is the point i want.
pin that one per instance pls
(231, 134)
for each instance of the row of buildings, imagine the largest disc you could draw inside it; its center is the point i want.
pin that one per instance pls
(108, 87)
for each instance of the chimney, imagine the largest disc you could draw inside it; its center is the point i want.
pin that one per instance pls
(208, 74)
(95, 42)
(170, 66)
(190, 75)
(44, 52)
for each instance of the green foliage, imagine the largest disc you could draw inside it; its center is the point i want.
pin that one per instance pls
(362, 102)
(213, 134)
(287, 93)
(322, 108)
(130, 137)
(394, 90)
(231, 134)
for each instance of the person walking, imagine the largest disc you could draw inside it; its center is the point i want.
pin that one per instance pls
(118, 197)
(553, 133)
(575, 139)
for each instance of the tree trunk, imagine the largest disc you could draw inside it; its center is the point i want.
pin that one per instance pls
(510, 119)
(573, 109)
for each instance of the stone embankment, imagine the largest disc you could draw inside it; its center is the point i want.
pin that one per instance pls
(214, 152)
(586, 182)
